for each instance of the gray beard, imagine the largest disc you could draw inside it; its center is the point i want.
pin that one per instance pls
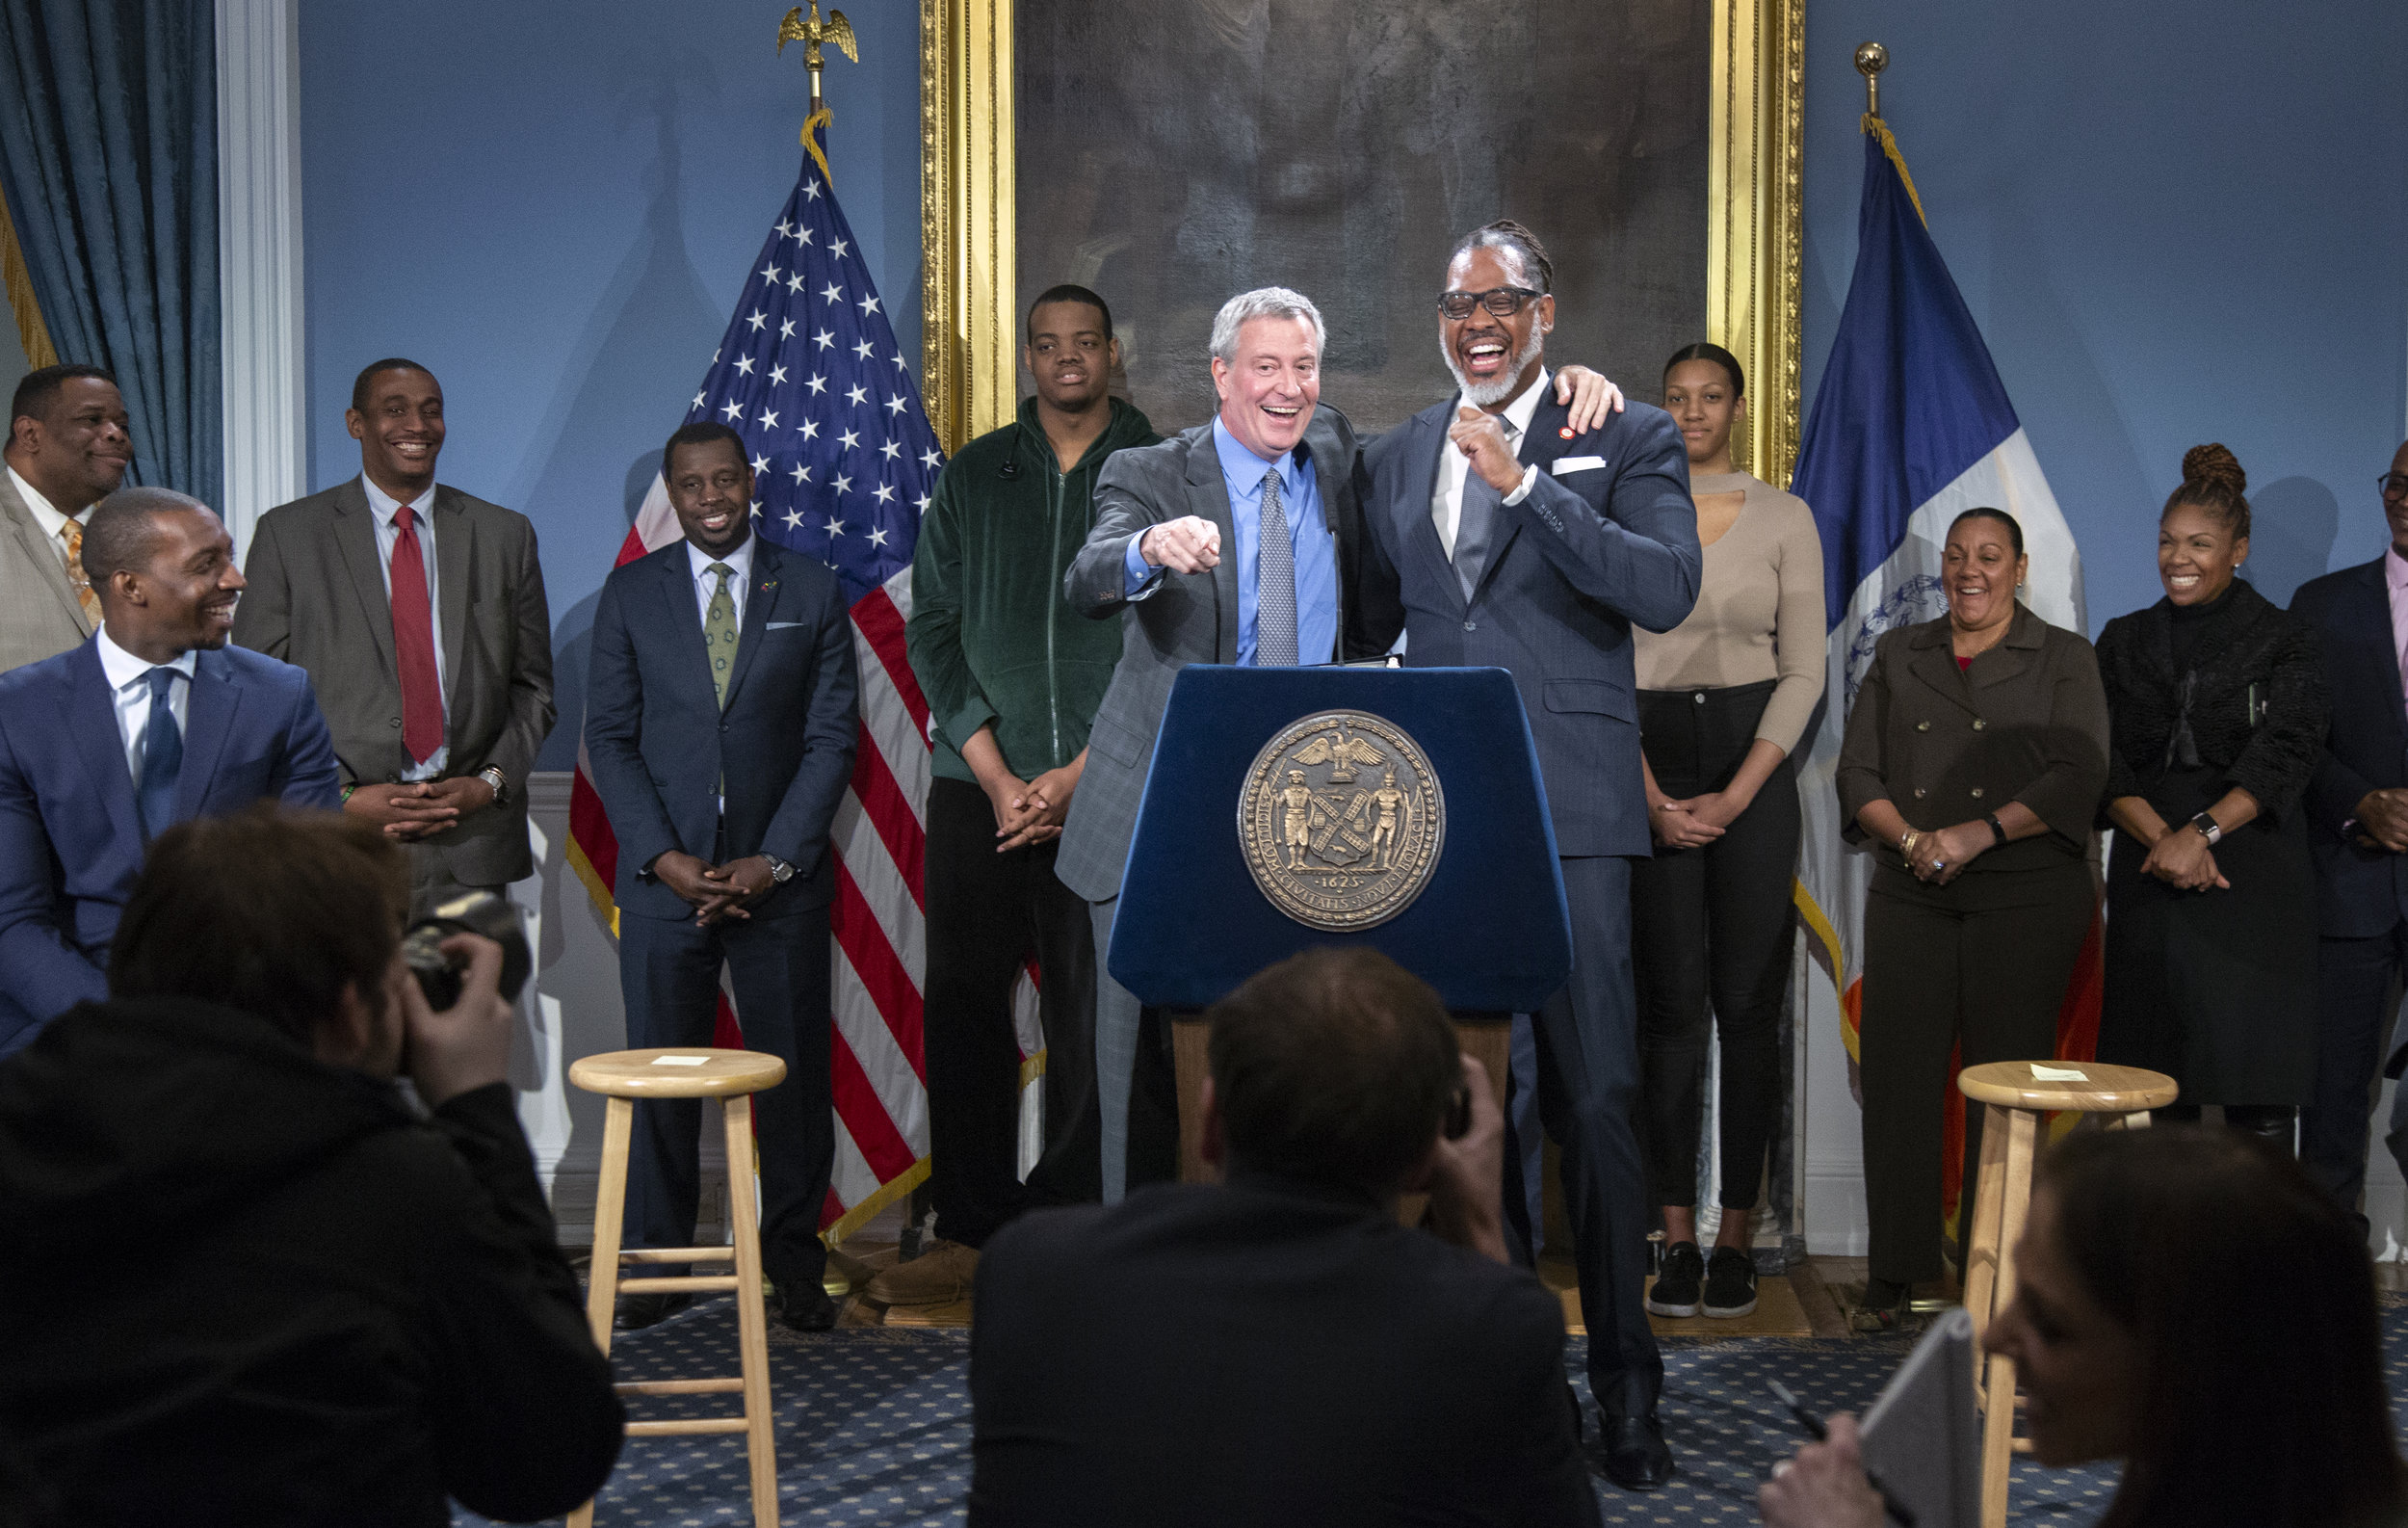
(1483, 395)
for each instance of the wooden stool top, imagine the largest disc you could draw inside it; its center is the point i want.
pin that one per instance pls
(679, 1071)
(2102, 1089)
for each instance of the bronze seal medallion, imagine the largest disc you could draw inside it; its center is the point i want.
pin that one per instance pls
(1342, 818)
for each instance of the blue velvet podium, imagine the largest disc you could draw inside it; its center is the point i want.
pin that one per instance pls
(1488, 929)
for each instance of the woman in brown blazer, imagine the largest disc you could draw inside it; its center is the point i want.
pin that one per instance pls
(1975, 755)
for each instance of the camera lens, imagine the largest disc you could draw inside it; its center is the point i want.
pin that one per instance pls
(480, 912)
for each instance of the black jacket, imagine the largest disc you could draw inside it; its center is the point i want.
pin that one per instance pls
(1263, 1352)
(247, 1287)
(2255, 713)
(2361, 892)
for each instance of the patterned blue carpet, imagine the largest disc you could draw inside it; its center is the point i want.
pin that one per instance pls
(874, 1427)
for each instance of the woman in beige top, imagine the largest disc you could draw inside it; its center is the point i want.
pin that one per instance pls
(1723, 697)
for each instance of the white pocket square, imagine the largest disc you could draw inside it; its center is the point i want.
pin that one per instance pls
(1564, 464)
(785, 625)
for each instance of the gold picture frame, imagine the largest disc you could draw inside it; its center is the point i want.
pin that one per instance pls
(968, 213)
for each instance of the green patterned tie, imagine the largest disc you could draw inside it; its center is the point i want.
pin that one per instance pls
(719, 633)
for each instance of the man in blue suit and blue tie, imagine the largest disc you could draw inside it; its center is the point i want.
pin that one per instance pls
(152, 721)
(720, 716)
(1500, 536)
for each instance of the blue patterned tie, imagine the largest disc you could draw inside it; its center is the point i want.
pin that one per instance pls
(163, 756)
(1274, 584)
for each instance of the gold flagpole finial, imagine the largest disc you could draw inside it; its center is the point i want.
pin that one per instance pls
(1872, 58)
(811, 33)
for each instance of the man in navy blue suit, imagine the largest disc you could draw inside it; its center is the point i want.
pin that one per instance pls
(2358, 832)
(152, 721)
(1502, 536)
(721, 714)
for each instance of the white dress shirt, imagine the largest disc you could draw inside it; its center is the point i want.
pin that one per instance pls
(129, 684)
(386, 509)
(1446, 503)
(47, 513)
(707, 582)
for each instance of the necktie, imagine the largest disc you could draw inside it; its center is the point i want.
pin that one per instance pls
(1274, 583)
(163, 756)
(72, 534)
(1475, 523)
(413, 642)
(719, 633)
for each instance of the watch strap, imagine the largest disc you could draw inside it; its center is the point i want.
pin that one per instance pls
(492, 776)
(1998, 828)
(2208, 829)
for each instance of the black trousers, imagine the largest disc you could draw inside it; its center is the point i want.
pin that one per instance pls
(1712, 925)
(2356, 979)
(1983, 961)
(1589, 1094)
(779, 963)
(989, 916)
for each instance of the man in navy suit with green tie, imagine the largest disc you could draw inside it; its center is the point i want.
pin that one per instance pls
(720, 717)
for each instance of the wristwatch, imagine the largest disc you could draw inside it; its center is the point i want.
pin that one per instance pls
(1998, 828)
(2207, 829)
(781, 872)
(500, 783)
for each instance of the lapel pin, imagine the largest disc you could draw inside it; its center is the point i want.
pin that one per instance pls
(1566, 432)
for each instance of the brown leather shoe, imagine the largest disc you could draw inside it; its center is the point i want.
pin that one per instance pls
(939, 1276)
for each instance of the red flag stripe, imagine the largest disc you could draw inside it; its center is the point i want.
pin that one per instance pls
(590, 827)
(883, 803)
(883, 624)
(858, 1104)
(875, 963)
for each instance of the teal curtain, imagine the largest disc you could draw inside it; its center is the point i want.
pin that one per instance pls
(109, 158)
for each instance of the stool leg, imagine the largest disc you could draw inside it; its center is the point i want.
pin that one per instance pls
(751, 1319)
(1981, 1241)
(2020, 1126)
(2137, 1120)
(610, 1210)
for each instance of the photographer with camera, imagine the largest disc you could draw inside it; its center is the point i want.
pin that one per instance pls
(253, 1286)
(1358, 1370)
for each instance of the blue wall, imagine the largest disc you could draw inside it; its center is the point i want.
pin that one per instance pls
(554, 208)
(2174, 224)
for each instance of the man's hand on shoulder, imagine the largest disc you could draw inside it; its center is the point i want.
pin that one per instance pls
(408, 813)
(1590, 398)
(1188, 544)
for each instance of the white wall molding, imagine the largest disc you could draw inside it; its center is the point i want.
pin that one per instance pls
(259, 257)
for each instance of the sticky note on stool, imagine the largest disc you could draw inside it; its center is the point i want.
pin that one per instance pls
(699, 1060)
(2040, 1074)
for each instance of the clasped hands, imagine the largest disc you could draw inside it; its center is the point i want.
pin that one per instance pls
(1937, 856)
(1031, 811)
(1693, 822)
(2383, 821)
(421, 808)
(2182, 859)
(716, 892)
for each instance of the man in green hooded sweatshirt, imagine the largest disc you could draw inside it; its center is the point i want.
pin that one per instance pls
(1013, 677)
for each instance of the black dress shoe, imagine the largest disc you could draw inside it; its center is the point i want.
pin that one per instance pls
(808, 1309)
(638, 1311)
(1634, 1452)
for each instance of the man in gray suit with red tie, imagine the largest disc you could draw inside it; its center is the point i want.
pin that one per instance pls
(419, 612)
(67, 446)
(1500, 536)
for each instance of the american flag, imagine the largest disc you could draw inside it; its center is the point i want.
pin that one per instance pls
(844, 462)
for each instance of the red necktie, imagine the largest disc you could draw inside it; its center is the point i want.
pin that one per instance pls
(413, 642)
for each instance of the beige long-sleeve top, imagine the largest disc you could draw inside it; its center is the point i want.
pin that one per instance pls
(1759, 612)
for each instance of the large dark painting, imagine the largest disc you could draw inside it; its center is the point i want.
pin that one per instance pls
(1172, 154)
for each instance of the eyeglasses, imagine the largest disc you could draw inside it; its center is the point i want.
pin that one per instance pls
(2394, 485)
(1502, 301)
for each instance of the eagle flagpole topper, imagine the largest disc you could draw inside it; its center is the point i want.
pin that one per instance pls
(811, 35)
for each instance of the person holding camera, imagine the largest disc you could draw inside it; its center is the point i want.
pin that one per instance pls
(1362, 1371)
(269, 1290)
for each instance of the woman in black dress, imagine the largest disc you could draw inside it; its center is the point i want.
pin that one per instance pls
(2215, 703)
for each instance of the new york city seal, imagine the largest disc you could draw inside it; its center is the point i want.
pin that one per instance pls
(1342, 820)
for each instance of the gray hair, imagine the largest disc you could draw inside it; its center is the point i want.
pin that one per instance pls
(1518, 247)
(1268, 301)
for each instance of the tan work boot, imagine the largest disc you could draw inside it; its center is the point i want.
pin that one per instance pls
(939, 1276)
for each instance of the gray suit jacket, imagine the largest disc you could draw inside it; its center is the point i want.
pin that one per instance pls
(317, 599)
(1183, 618)
(40, 616)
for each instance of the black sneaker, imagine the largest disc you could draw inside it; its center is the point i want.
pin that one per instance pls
(1729, 1283)
(1675, 1292)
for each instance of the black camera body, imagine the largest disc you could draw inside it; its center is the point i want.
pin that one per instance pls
(481, 913)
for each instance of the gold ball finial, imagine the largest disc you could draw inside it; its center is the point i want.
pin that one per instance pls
(1872, 58)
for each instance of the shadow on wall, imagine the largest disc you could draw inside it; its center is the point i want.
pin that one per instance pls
(654, 305)
(2292, 525)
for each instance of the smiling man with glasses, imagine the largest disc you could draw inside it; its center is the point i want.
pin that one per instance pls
(2357, 806)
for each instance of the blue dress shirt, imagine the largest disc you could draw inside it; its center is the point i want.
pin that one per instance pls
(1315, 552)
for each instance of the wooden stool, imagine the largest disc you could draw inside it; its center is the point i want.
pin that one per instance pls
(732, 1077)
(2016, 1093)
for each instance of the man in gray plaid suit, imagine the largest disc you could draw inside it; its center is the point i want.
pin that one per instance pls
(1230, 543)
